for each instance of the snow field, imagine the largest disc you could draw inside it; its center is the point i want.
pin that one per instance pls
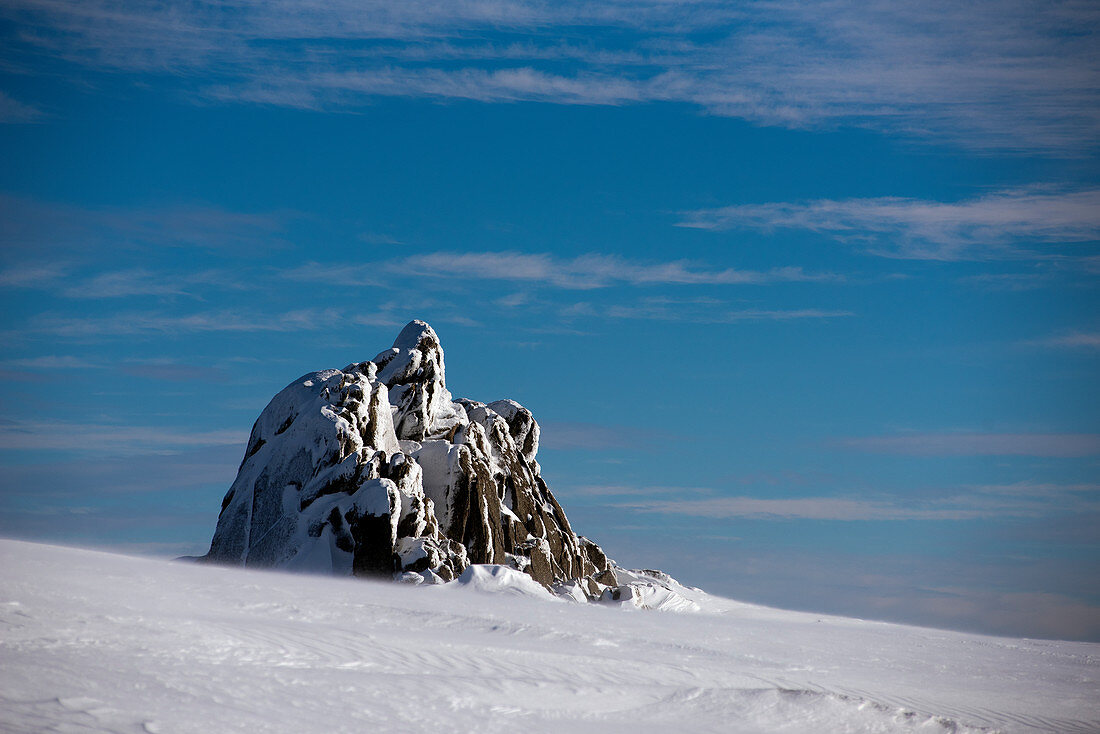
(98, 642)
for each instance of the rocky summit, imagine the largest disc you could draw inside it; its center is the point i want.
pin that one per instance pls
(376, 470)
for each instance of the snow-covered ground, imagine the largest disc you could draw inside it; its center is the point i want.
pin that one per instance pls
(98, 642)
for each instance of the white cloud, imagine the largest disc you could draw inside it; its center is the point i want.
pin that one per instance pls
(142, 282)
(1072, 340)
(585, 272)
(207, 321)
(624, 490)
(704, 310)
(103, 438)
(52, 362)
(568, 436)
(1002, 224)
(27, 223)
(500, 85)
(1027, 80)
(1038, 490)
(513, 300)
(137, 282)
(593, 270)
(14, 111)
(1021, 500)
(1010, 282)
(801, 508)
(713, 313)
(37, 275)
(170, 371)
(352, 275)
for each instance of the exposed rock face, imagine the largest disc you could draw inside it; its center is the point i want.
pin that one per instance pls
(376, 470)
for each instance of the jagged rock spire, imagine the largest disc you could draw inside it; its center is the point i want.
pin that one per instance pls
(414, 371)
(376, 469)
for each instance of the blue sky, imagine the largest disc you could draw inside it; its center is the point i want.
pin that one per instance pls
(805, 299)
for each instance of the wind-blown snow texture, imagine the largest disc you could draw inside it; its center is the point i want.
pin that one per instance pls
(97, 642)
(375, 470)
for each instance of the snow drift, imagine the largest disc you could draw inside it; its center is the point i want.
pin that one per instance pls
(105, 643)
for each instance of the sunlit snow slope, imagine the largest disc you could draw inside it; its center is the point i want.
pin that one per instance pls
(98, 642)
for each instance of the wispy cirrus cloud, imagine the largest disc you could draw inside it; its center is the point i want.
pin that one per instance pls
(171, 371)
(52, 362)
(1013, 223)
(143, 282)
(978, 444)
(1011, 282)
(584, 272)
(801, 508)
(89, 477)
(1085, 340)
(571, 436)
(627, 490)
(136, 282)
(104, 438)
(1020, 500)
(13, 111)
(33, 275)
(69, 228)
(1038, 490)
(135, 322)
(37, 369)
(1026, 81)
(712, 312)
(698, 310)
(69, 281)
(155, 369)
(523, 84)
(589, 271)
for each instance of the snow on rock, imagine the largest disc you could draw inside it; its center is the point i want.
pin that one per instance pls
(376, 470)
(647, 589)
(502, 579)
(414, 370)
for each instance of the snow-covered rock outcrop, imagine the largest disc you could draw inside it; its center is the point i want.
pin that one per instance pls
(377, 470)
